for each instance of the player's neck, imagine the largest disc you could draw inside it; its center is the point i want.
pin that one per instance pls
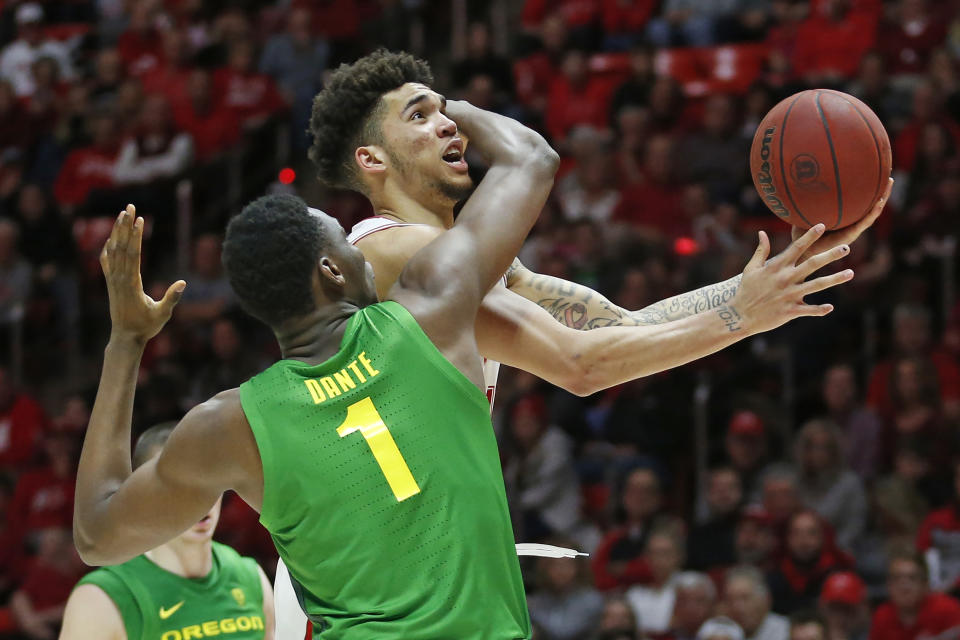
(187, 560)
(402, 207)
(316, 337)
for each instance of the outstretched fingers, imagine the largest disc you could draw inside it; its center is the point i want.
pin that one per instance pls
(799, 246)
(760, 256)
(815, 310)
(826, 282)
(817, 262)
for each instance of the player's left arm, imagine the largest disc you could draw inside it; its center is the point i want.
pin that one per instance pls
(268, 608)
(120, 513)
(580, 307)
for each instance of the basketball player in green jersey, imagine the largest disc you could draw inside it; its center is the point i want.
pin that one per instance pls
(368, 449)
(190, 587)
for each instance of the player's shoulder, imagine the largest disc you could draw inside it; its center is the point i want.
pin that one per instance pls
(220, 412)
(387, 236)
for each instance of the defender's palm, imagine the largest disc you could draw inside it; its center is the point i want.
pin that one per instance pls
(132, 312)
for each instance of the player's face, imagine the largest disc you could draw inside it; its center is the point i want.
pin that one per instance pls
(203, 530)
(423, 146)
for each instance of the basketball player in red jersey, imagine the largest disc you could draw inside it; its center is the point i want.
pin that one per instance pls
(391, 162)
(404, 154)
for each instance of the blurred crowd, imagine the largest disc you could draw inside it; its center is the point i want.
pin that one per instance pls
(803, 484)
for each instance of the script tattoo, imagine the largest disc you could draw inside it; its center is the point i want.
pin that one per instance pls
(691, 303)
(730, 317)
(580, 307)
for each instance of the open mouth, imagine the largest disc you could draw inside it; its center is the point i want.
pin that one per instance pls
(453, 156)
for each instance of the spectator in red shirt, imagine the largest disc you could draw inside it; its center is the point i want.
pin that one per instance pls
(912, 338)
(910, 36)
(46, 102)
(811, 555)
(843, 603)
(534, 75)
(141, 45)
(43, 497)
(16, 126)
(624, 22)
(39, 601)
(212, 126)
(939, 540)
(576, 98)
(927, 107)
(654, 208)
(582, 18)
(619, 560)
(831, 42)
(22, 422)
(251, 96)
(913, 612)
(170, 77)
(90, 167)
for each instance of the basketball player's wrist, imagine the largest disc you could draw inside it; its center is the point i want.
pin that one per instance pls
(127, 341)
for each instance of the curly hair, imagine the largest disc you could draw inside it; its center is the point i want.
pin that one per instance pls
(270, 252)
(346, 113)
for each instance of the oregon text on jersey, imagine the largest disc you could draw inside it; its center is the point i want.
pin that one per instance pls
(215, 628)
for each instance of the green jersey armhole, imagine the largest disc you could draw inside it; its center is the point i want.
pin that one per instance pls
(410, 325)
(120, 593)
(252, 412)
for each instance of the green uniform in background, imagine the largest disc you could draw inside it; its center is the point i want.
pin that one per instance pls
(383, 490)
(158, 605)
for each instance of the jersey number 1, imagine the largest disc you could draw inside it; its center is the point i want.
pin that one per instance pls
(363, 417)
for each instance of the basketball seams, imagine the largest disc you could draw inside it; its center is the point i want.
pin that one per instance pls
(833, 154)
(876, 143)
(783, 173)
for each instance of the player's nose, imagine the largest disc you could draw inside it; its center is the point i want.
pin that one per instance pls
(447, 127)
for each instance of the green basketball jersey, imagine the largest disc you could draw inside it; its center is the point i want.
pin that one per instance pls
(383, 490)
(158, 605)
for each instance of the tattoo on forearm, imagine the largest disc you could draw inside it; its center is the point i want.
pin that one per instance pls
(691, 303)
(572, 314)
(730, 317)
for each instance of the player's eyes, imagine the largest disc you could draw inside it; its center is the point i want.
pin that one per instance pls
(417, 115)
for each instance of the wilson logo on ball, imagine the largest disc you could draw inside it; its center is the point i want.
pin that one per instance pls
(804, 168)
(765, 180)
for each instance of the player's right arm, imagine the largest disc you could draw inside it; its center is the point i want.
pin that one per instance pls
(443, 284)
(91, 615)
(580, 307)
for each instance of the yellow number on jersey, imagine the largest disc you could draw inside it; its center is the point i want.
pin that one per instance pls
(363, 417)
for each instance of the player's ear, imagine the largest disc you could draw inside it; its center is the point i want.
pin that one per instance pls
(330, 273)
(371, 159)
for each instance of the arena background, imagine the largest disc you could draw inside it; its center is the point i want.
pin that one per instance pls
(819, 448)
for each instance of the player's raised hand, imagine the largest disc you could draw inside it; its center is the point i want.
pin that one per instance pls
(846, 235)
(771, 291)
(133, 313)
